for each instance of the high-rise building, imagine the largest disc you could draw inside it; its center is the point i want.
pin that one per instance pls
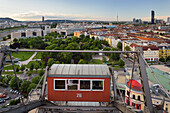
(152, 17)
(42, 18)
(168, 20)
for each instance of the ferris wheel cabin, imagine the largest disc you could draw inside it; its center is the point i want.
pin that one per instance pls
(79, 82)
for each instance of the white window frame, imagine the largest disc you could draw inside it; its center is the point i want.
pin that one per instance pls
(92, 85)
(60, 89)
(73, 84)
(85, 89)
(78, 85)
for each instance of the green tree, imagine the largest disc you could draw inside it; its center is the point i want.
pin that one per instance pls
(121, 63)
(13, 83)
(25, 86)
(17, 69)
(36, 79)
(127, 48)
(22, 68)
(50, 62)
(4, 38)
(57, 62)
(5, 81)
(15, 40)
(168, 58)
(114, 56)
(81, 61)
(41, 72)
(119, 45)
(107, 49)
(9, 36)
(104, 59)
(31, 86)
(12, 102)
(162, 59)
(36, 65)
(31, 67)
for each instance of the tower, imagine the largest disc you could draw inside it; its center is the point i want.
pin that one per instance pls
(42, 18)
(152, 17)
(117, 18)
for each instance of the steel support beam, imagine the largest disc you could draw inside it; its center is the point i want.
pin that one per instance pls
(114, 86)
(44, 84)
(71, 51)
(144, 82)
(122, 108)
(86, 108)
(23, 108)
(1, 63)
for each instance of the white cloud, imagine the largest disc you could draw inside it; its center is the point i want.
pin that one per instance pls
(157, 17)
(36, 16)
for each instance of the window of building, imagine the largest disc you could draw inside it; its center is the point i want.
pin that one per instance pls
(34, 34)
(23, 34)
(166, 109)
(84, 84)
(133, 96)
(97, 85)
(139, 98)
(72, 84)
(59, 84)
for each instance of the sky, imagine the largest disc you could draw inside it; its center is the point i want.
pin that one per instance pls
(106, 10)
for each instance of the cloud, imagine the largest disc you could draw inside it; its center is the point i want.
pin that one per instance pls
(157, 17)
(36, 16)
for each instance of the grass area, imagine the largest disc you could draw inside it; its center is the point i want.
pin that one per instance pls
(33, 72)
(11, 72)
(96, 61)
(38, 56)
(117, 67)
(23, 55)
(48, 43)
(10, 67)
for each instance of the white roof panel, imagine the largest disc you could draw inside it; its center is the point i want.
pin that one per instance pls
(79, 69)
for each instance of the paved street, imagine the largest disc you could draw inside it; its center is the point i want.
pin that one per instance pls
(27, 61)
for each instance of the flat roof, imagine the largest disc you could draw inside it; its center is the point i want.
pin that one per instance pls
(79, 70)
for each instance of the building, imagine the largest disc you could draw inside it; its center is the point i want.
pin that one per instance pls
(151, 52)
(80, 83)
(42, 18)
(164, 51)
(26, 34)
(134, 97)
(45, 30)
(168, 20)
(152, 17)
(77, 34)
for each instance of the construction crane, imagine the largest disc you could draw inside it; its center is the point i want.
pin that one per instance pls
(45, 104)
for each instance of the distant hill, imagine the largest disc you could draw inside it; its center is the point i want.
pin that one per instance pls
(8, 20)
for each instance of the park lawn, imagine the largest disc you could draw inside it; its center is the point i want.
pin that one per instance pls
(10, 67)
(117, 67)
(22, 55)
(11, 72)
(38, 56)
(48, 43)
(96, 61)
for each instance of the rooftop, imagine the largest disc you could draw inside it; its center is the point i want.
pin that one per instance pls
(81, 70)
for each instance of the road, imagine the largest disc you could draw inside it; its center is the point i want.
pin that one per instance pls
(128, 62)
(27, 61)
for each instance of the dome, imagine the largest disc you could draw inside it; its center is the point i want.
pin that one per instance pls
(135, 85)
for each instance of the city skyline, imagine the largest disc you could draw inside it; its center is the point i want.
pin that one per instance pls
(105, 10)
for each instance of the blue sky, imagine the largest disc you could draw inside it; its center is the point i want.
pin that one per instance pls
(84, 9)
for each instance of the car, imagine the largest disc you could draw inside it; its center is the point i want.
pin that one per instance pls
(7, 98)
